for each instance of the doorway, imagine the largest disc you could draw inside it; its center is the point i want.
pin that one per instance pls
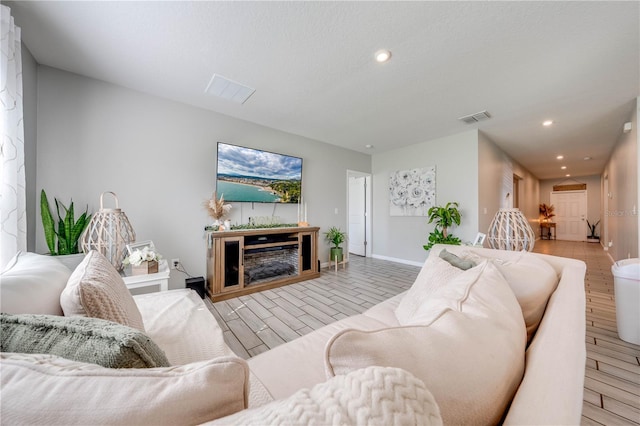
(571, 213)
(359, 206)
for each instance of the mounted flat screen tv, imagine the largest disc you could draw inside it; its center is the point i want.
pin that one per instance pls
(256, 176)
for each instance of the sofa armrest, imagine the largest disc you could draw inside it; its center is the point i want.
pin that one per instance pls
(551, 391)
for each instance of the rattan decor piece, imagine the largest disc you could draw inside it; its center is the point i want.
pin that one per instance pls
(509, 230)
(109, 232)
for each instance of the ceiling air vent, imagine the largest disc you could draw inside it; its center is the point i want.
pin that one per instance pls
(228, 89)
(474, 118)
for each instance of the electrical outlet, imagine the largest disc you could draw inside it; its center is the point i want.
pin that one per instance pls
(175, 263)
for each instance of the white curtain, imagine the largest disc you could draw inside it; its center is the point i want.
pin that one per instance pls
(13, 216)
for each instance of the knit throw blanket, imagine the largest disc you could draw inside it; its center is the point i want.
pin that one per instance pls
(370, 396)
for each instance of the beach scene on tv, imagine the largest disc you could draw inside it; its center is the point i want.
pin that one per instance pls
(252, 175)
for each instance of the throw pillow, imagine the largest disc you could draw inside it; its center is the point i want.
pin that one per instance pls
(32, 283)
(434, 273)
(95, 289)
(471, 357)
(81, 339)
(370, 396)
(456, 261)
(45, 389)
(533, 281)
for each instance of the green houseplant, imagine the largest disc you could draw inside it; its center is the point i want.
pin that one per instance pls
(444, 217)
(336, 237)
(64, 239)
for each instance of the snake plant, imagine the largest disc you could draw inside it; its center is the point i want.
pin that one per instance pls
(64, 240)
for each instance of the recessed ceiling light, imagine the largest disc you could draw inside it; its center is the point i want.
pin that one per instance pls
(368, 146)
(587, 158)
(560, 157)
(382, 55)
(567, 175)
(547, 123)
(563, 167)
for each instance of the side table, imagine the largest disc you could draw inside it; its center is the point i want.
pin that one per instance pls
(551, 226)
(161, 278)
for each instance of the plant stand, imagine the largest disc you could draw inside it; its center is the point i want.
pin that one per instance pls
(337, 262)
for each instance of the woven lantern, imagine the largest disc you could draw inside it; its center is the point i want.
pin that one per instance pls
(109, 232)
(509, 230)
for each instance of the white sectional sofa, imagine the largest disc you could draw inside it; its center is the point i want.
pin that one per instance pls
(502, 342)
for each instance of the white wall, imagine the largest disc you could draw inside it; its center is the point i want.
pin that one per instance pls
(159, 157)
(491, 163)
(622, 211)
(456, 160)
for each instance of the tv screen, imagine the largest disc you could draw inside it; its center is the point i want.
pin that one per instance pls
(252, 175)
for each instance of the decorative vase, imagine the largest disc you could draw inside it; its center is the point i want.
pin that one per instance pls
(227, 225)
(510, 230)
(146, 267)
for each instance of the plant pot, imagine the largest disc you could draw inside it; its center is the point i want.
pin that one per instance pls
(150, 267)
(71, 261)
(336, 254)
(593, 239)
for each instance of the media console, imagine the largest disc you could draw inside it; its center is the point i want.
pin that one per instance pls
(245, 261)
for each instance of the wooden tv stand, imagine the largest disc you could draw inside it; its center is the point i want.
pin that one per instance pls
(245, 261)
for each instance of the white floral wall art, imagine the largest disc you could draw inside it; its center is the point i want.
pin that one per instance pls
(412, 192)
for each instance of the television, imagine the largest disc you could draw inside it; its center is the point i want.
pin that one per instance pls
(257, 176)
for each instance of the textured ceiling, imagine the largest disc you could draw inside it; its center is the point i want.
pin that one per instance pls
(312, 66)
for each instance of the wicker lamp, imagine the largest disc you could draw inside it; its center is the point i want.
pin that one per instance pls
(109, 232)
(509, 230)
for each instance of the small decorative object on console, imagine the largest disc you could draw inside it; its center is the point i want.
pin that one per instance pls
(216, 208)
(143, 258)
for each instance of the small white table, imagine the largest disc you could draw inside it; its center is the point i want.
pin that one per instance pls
(161, 278)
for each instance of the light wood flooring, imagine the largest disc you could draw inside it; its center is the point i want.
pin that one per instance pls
(260, 321)
(612, 376)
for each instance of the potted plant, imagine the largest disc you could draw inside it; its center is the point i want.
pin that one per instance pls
(546, 212)
(444, 217)
(593, 238)
(336, 237)
(63, 240)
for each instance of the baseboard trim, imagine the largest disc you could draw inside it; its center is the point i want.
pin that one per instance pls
(396, 260)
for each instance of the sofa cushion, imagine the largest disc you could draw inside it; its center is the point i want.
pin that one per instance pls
(31, 284)
(81, 339)
(373, 395)
(45, 390)
(470, 355)
(435, 272)
(95, 289)
(297, 364)
(532, 280)
(174, 317)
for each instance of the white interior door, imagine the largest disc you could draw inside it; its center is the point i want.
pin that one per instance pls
(359, 224)
(571, 213)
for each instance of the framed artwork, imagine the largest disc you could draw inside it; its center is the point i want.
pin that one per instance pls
(479, 239)
(412, 192)
(139, 246)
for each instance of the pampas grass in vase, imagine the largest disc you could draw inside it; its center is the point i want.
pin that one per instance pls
(216, 208)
